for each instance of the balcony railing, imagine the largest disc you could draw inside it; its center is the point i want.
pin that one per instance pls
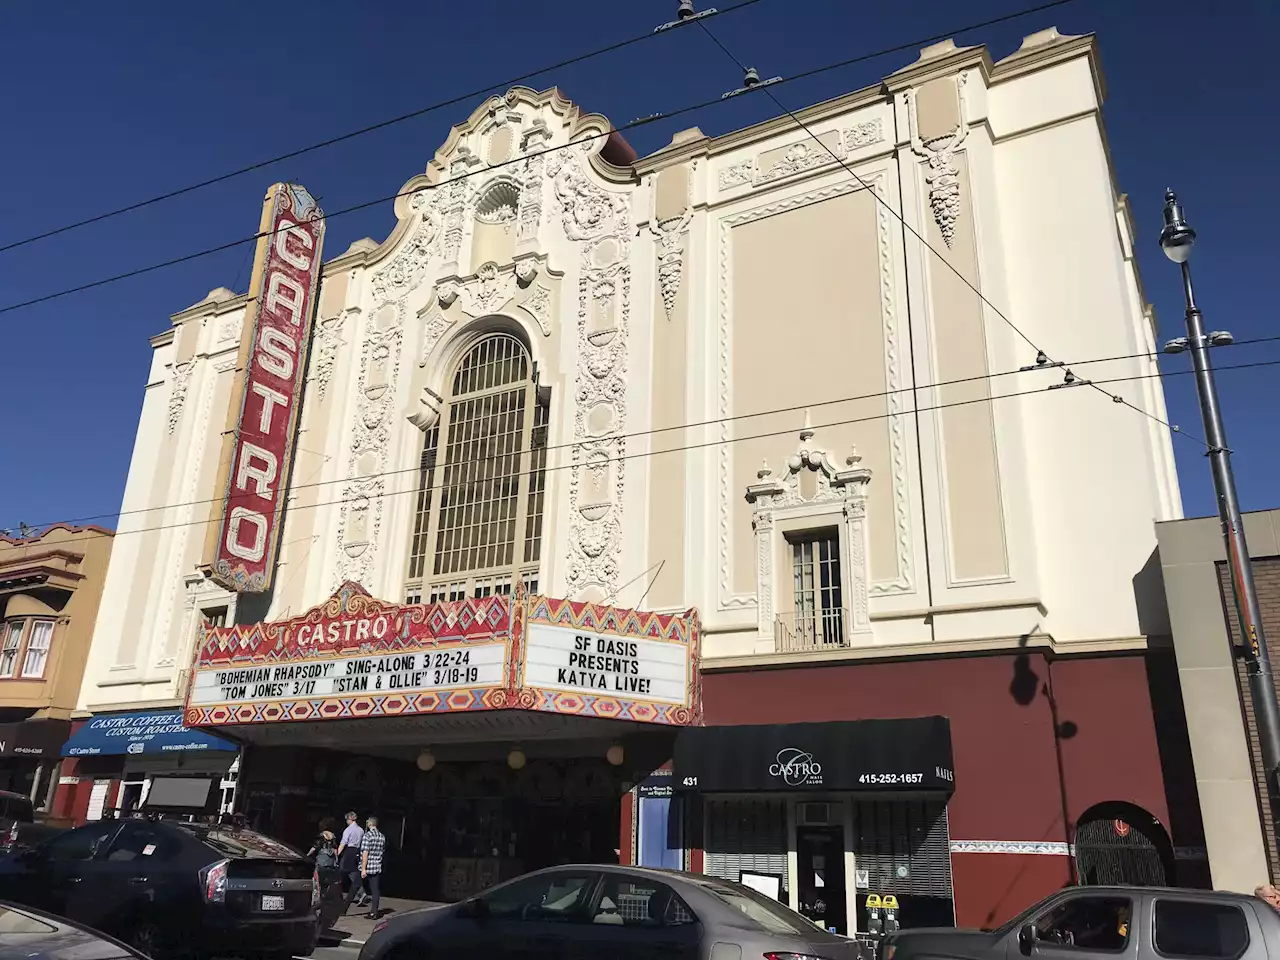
(810, 630)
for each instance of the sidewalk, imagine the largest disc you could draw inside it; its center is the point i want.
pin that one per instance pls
(354, 928)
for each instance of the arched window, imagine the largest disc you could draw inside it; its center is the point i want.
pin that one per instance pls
(478, 523)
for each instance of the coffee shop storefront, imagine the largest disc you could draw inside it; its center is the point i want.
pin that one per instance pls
(490, 735)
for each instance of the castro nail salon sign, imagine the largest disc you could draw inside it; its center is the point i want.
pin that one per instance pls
(355, 657)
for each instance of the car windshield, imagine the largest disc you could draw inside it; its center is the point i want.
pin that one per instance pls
(765, 913)
(1017, 921)
(13, 923)
(242, 844)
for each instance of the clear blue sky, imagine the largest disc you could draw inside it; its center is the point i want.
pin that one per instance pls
(106, 104)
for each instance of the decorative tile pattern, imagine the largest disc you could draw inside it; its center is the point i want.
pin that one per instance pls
(1040, 848)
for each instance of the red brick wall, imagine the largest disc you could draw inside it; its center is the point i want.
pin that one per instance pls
(1266, 577)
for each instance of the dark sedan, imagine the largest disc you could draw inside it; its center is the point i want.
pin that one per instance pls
(166, 887)
(27, 934)
(621, 913)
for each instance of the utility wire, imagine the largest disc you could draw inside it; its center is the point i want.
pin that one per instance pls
(341, 138)
(713, 443)
(794, 408)
(654, 118)
(766, 87)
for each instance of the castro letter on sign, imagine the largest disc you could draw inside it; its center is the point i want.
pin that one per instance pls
(289, 260)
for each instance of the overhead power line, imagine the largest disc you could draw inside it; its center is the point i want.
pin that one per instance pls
(794, 408)
(480, 171)
(1041, 356)
(551, 468)
(362, 131)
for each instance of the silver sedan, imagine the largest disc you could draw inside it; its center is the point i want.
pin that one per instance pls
(611, 912)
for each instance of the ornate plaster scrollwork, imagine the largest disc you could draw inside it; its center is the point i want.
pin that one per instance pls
(863, 134)
(601, 222)
(446, 293)
(405, 269)
(737, 174)
(488, 291)
(225, 366)
(364, 493)
(526, 270)
(671, 234)
(531, 194)
(324, 350)
(425, 408)
(943, 178)
(841, 488)
(538, 304)
(178, 392)
(800, 156)
(228, 329)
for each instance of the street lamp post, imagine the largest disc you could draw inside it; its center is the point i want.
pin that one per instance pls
(1176, 239)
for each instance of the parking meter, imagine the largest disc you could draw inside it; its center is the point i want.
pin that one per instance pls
(890, 905)
(875, 923)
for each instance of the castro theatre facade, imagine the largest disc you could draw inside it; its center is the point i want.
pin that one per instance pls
(572, 382)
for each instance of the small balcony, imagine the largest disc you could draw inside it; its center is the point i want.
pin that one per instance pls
(805, 630)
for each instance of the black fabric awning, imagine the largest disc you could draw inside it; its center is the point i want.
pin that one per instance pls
(33, 738)
(883, 756)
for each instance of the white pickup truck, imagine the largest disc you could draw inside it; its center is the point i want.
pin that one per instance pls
(1110, 923)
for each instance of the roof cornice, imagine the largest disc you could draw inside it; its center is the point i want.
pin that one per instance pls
(940, 60)
(1048, 48)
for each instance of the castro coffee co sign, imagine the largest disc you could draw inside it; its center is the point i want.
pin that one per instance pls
(266, 397)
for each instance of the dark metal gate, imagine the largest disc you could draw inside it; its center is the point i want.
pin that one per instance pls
(1122, 847)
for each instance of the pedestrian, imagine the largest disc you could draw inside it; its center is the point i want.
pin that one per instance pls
(372, 848)
(1268, 893)
(349, 859)
(324, 851)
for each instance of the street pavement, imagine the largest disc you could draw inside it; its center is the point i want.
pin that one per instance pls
(349, 933)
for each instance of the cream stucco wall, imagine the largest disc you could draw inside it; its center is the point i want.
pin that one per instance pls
(722, 286)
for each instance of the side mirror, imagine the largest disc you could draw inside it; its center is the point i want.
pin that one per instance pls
(1027, 937)
(474, 909)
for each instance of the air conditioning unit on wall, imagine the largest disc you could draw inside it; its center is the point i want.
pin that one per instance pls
(814, 814)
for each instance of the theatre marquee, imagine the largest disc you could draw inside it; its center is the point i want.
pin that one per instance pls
(356, 657)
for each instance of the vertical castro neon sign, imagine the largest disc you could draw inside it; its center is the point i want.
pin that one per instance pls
(260, 440)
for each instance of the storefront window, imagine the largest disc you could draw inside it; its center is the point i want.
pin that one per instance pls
(747, 836)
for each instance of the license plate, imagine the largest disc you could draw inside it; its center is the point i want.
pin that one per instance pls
(272, 902)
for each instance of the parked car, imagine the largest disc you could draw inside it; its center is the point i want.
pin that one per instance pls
(1118, 923)
(161, 885)
(18, 827)
(622, 913)
(27, 934)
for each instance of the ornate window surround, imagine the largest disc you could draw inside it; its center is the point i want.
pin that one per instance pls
(440, 368)
(779, 507)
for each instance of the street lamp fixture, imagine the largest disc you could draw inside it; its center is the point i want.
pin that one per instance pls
(1176, 239)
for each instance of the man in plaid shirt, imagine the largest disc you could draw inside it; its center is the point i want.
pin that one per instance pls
(371, 849)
